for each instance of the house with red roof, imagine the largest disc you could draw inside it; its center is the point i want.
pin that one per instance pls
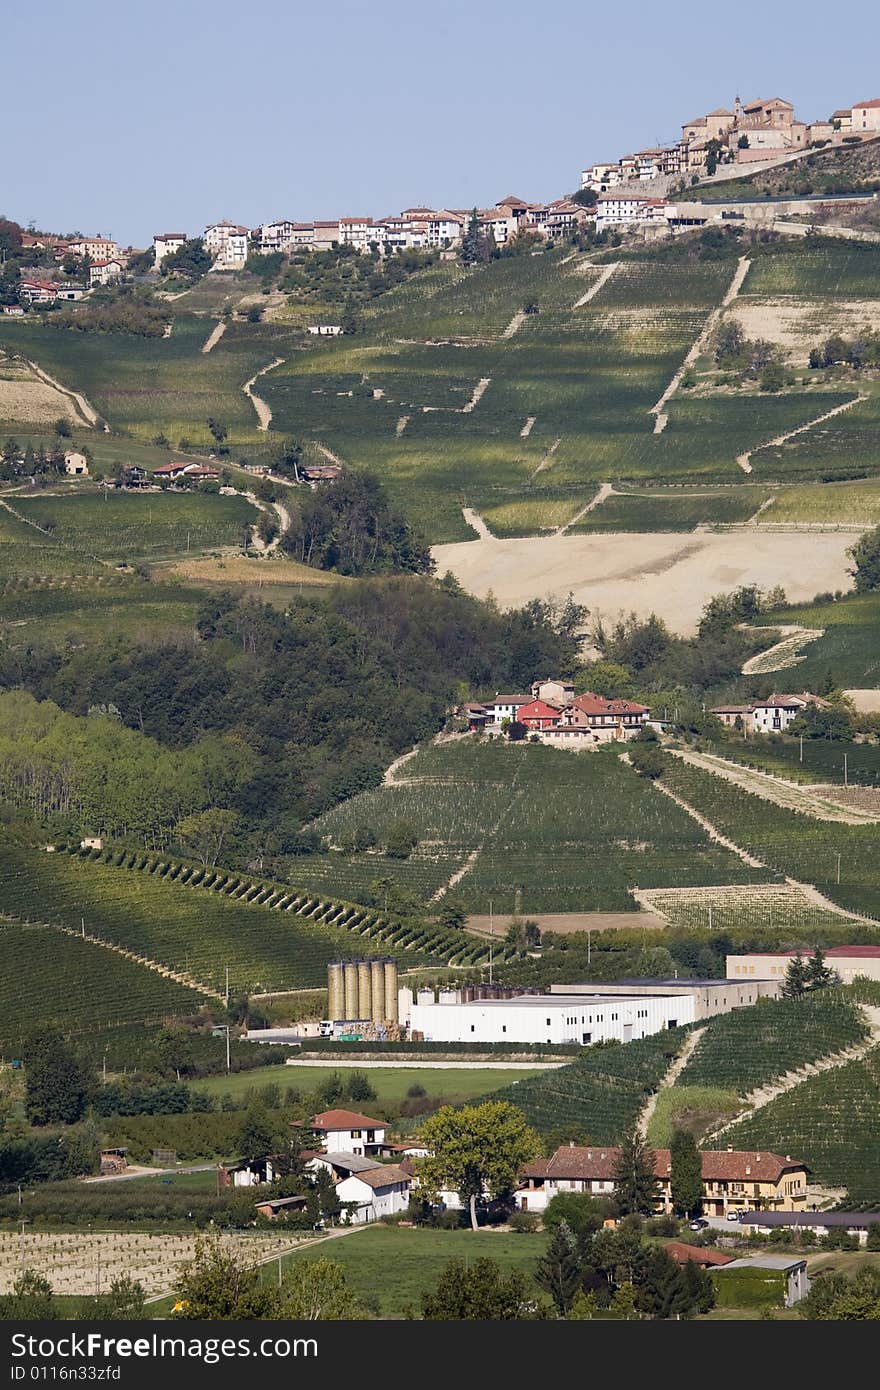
(347, 1131)
(539, 716)
(733, 1180)
(770, 716)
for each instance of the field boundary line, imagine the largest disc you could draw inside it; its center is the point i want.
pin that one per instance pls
(547, 458)
(605, 491)
(179, 976)
(744, 460)
(789, 1081)
(693, 352)
(514, 326)
(599, 284)
(711, 830)
(90, 415)
(790, 795)
(263, 409)
(474, 855)
(476, 523)
(676, 1067)
(214, 336)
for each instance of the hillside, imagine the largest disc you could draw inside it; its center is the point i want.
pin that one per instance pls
(829, 171)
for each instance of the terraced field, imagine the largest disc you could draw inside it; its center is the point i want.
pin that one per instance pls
(465, 796)
(748, 1048)
(49, 977)
(830, 1121)
(752, 913)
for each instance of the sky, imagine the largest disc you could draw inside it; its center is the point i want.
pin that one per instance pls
(142, 119)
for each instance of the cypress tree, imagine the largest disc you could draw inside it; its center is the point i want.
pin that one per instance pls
(795, 983)
(636, 1185)
(687, 1174)
(558, 1270)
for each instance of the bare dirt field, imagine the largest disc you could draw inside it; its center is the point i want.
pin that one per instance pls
(644, 573)
(865, 701)
(563, 923)
(799, 324)
(237, 569)
(29, 401)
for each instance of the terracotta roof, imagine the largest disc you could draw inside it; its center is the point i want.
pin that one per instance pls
(701, 1255)
(598, 1163)
(345, 1119)
(844, 111)
(384, 1175)
(539, 709)
(511, 700)
(589, 703)
(169, 236)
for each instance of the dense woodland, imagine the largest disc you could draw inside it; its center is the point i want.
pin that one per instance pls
(271, 717)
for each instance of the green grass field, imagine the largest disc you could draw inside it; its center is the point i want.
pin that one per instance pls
(849, 648)
(389, 1083)
(129, 525)
(392, 1267)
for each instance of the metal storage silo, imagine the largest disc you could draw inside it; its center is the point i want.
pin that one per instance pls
(365, 990)
(391, 991)
(335, 989)
(377, 982)
(351, 990)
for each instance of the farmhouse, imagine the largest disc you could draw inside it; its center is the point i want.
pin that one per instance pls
(228, 244)
(379, 1191)
(38, 291)
(821, 1223)
(849, 962)
(96, 248)
(197, 471)
(250, 1172)
(77, 465)
(275, 1207)
(770, 716)
(701, 1255)
(345, 1131)
(732, 1180)
(104, 272)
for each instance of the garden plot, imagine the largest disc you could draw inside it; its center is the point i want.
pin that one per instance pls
(87, 1263)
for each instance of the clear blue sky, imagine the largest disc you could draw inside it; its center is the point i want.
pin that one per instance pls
(133, 120)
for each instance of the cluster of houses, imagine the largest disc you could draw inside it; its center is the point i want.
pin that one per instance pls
(770, 716)
(752, 132)
(375, 1177)
(553, 713)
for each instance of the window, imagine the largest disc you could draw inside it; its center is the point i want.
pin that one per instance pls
(504, 1027)
(472, 1027)
(586, 1037)
(548, 1022)
(356, 1134)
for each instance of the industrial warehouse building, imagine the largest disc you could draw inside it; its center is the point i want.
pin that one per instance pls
(849, 962)
(549, 1018)
(711, 997)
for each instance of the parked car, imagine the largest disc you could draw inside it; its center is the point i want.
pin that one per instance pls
(733, 1216)
(699, 1223)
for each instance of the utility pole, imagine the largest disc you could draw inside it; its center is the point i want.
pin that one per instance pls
(589, 945)
(83, 925)
(802, 748)
(227, 1049)
(845, 772)
(227, 986)
(838, 868)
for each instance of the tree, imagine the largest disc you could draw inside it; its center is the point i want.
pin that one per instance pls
(687, 1174)
(317, 1291)
(62, 427)
(124, 1301)
(699, 1288)
(865, 555)
(772, 377)
(217, 430)
(360, 1087)
(794, 985)
(452, 914)
(206, 832)
(647, 759)
(480, 1292)
(57, 1082)
(558, 1269)
(475, 249)
(350, 320)
(636, 1185)
(257, 1135)
(191, 260)
(580, 1212)
(401, 840)
(743, 142)
(216, 1285)
(817, 974)
(584, 1307)
(662, 1292)
(477, 1149)
(729, 341)
(31, 1299)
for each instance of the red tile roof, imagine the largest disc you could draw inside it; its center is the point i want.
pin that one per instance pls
(701, 1255)
(725, 1165)
(862, 952)
(538, 709)
(344, 1119)
(875, 102)
(597, 704)
(383, 1175)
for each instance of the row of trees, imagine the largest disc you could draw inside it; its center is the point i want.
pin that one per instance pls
(850, 352)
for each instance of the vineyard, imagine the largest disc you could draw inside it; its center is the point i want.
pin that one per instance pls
(50, 977)
(119, 525)
(270, 937)
(818, 760)
(788, 842)
(601, 1093)
(830, 1121)
(553, 833)
(745, 1049)
(764, 911)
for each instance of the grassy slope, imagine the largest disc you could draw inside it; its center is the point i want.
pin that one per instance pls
(849, 649)
(389, 1083)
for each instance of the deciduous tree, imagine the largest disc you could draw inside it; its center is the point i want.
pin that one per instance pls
(476, 1149)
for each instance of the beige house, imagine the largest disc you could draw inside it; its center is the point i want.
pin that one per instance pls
(96, 248)
(104, 272)
(866, 117)
(77, 465)
(849, 962)
(165, 244)
(733, 1180)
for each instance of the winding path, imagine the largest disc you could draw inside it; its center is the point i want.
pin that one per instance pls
(88, 412)
(676, 1068)
(476, 522)
(263, 409)
(744, 460)
(697, 347)
(605, 490)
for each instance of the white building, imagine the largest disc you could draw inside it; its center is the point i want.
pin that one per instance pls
(104, 272)
(865, 116)
(770, 716)
(557, 1018)
(77, 465)
(228, 244)
(849, 962)
(506, 706)
(165, 244)
(346, 1131)
(380, 1191)
(624, 209)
